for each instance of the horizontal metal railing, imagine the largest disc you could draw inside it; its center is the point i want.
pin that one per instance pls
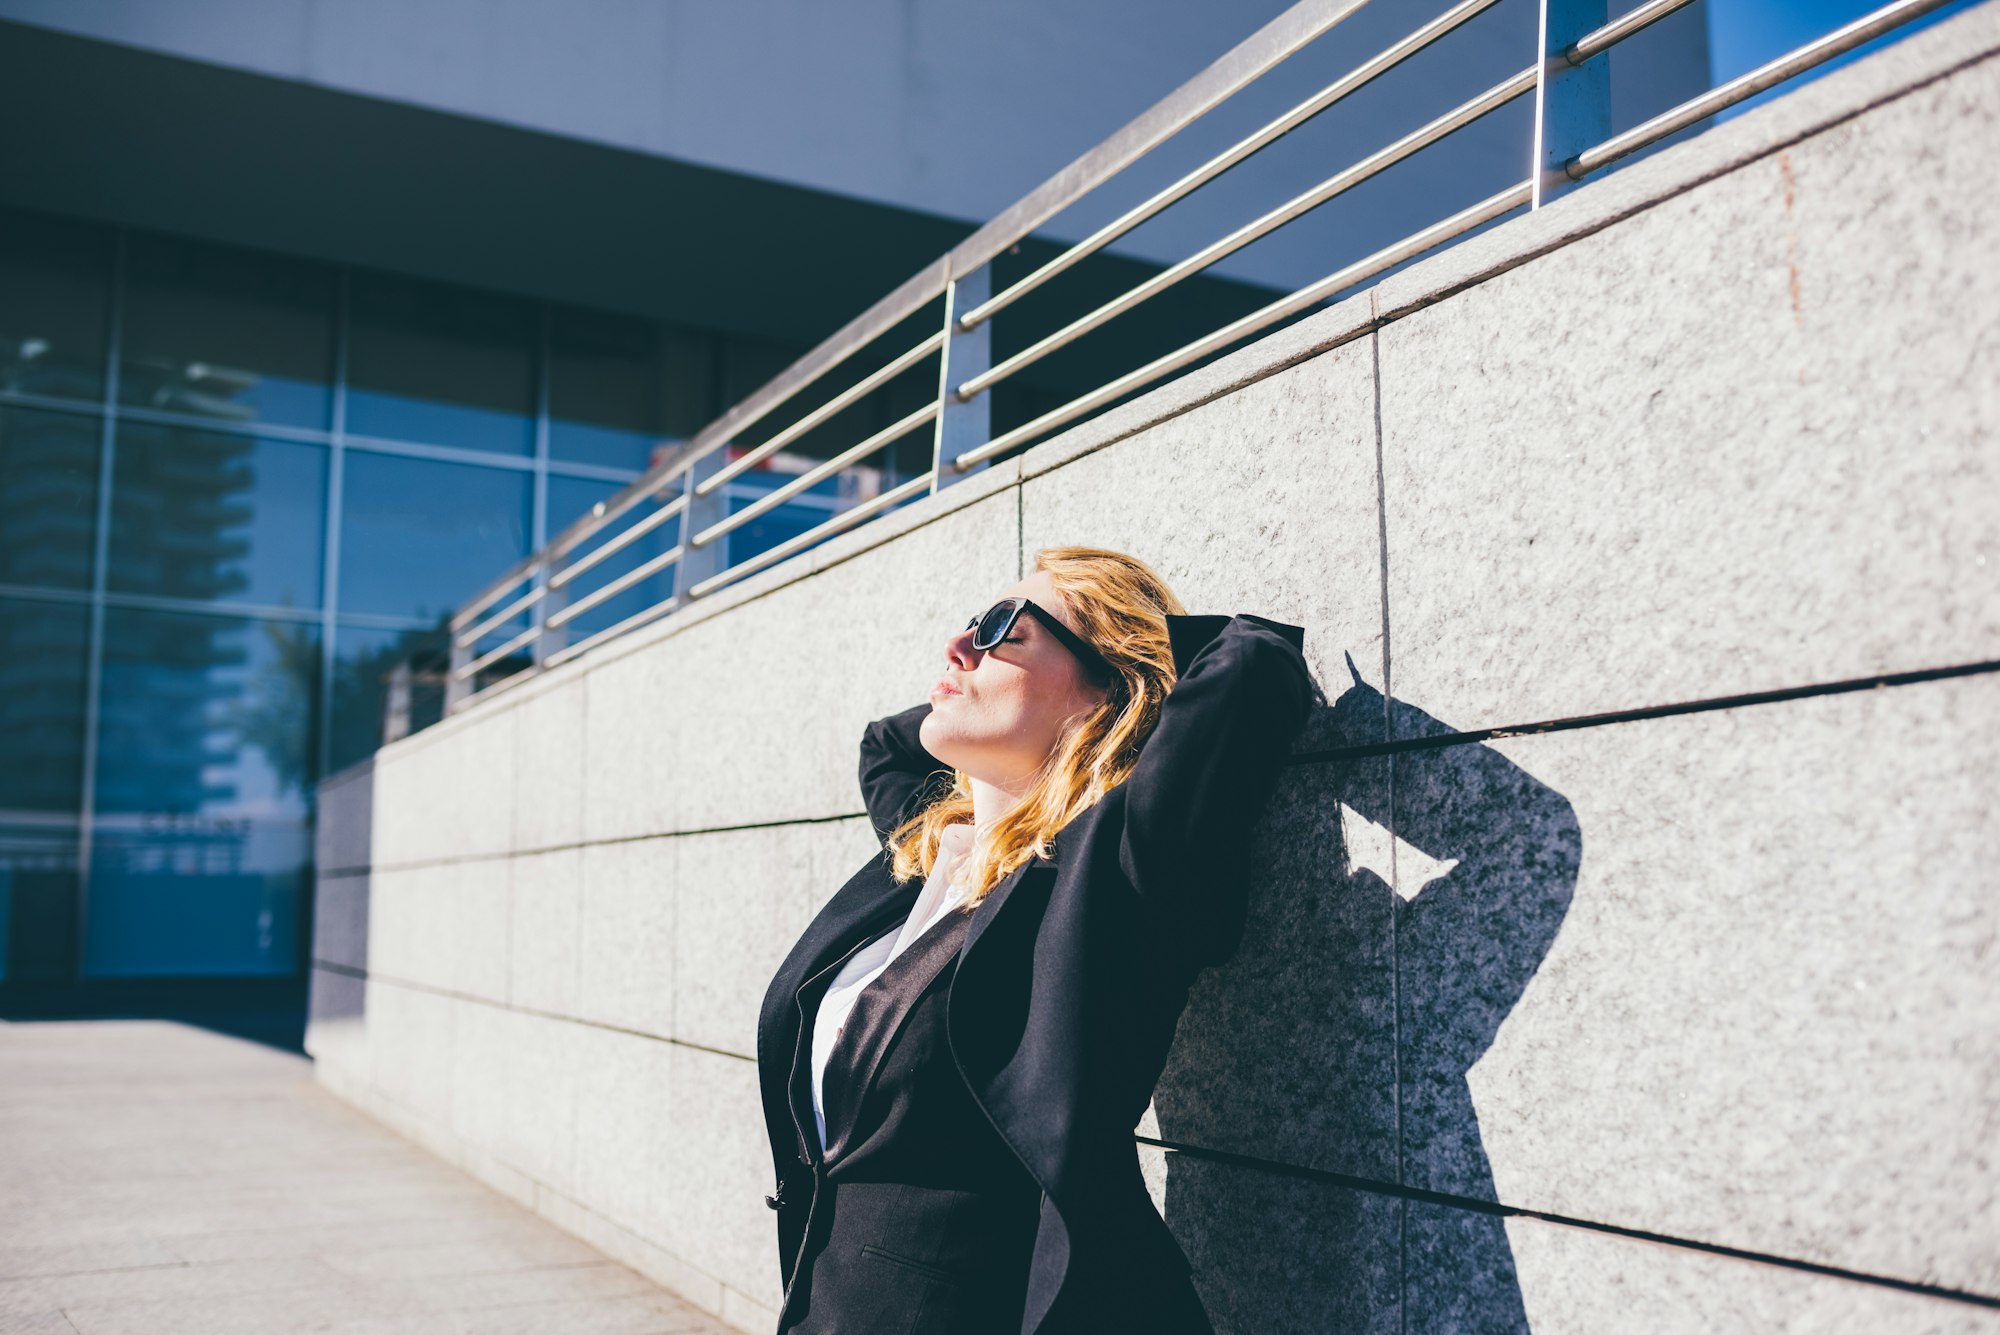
(536, 602)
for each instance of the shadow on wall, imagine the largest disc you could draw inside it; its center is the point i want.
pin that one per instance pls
(343, 843)
(1289, 1054)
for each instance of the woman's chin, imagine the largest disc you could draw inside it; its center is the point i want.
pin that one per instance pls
(937, 739)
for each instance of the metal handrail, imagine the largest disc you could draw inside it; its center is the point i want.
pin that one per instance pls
(617, 586)
(466, 670)
(1634, 20)
(1242, 149)
(1339, 183)
(811, 477)
(618, 541)
(1571, 140)
(845, 399)
(1262, 318)
(1251, 59)
(917, 291)
(1768, 75)
(631, 623)
(844, 519)
(479, 632)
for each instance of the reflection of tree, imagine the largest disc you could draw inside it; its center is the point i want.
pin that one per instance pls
(275, 713)
(360, 683)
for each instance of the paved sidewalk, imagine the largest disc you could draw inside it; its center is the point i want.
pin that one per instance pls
(160, 1179)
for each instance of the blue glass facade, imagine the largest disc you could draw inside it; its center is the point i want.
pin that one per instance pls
(237, 491)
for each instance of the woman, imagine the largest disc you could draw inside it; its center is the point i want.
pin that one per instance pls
(955, 1054)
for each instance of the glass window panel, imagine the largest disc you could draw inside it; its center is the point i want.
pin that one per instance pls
(620, 387)
(211, 514)
(37, 898)
(419, 537)
(48, 497)
(55, 287)
(201, 846)
(440, 365)
(229, 333)
(42, 666)
(377, 673)
(569, 498)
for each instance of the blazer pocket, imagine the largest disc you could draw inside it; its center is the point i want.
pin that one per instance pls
(921, 1267)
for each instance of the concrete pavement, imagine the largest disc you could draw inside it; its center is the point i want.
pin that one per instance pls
(161, 1179)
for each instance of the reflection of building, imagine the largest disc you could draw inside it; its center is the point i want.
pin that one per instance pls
(307, 332)
(208, 572)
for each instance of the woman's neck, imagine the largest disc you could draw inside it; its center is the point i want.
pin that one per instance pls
(989, 803)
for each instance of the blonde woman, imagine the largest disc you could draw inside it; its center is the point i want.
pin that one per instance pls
(955, 1053)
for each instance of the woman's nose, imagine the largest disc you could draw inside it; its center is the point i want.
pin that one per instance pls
(958, 649)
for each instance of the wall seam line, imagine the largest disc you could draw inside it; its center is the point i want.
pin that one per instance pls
(1395, 899)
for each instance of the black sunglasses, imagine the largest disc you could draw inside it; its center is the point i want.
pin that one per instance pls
(997, 620)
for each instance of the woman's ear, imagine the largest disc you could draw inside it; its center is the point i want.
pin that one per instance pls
(1102, 691)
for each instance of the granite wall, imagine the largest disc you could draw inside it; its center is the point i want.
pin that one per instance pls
(1622, 945)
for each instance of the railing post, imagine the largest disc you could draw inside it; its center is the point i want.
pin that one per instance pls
(1572, 102)
(457, 681)
(548, 639)
(962, 424)
(700, 513)
(396, 702)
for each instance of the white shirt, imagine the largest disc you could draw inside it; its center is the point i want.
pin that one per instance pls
(938, 896)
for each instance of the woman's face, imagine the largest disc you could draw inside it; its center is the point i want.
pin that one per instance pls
(996, 713)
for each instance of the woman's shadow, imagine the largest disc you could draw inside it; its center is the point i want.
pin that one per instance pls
(1399, 905)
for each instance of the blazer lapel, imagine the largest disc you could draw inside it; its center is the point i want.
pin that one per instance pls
(997, 1086)
(996, 898)
(879, 1014)
(869, 901)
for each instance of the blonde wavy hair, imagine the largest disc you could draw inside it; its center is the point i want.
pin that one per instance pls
(1119, 605)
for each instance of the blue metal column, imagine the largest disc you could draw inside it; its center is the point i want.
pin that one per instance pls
(1572, 102)
(962, 424)
(700, 514)
(548, 638)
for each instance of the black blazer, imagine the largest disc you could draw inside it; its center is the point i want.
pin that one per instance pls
(1075, 968)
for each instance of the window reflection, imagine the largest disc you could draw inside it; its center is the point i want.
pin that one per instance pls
(620, 387)
(226, 333)
(55, 285)
(571, 497)
(441, 365)
(207, 746)
(386, 684)
(419, 537)
(200, 846)
(42, 649)
(209, 514)
(38, 878)
(48, 497)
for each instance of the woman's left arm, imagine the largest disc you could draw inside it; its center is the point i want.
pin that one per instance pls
(1207, 769)
(898, 776)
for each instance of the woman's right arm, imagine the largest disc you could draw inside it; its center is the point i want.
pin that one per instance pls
(899, 777)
